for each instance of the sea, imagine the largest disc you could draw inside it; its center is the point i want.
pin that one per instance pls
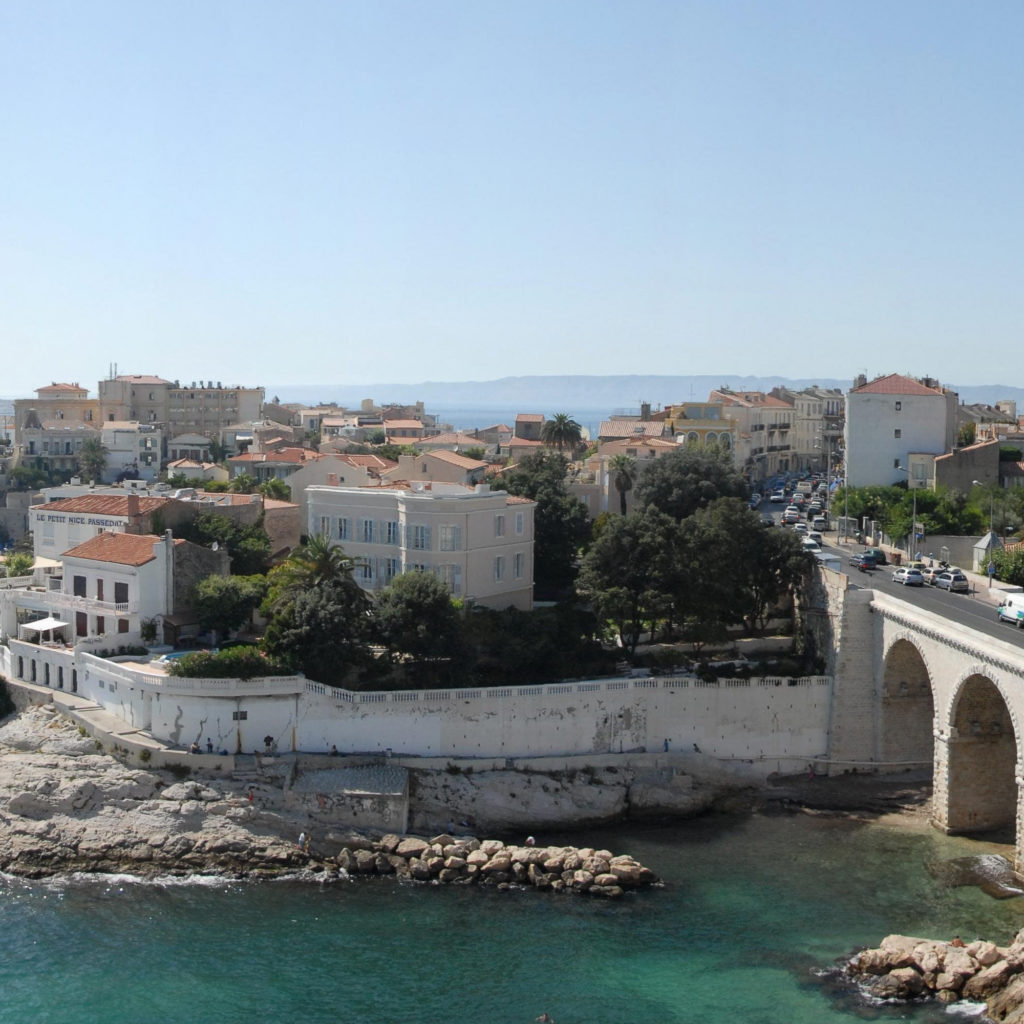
(756, 916)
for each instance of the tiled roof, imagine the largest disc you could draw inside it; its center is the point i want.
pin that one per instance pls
(525, 442)
(122, 548)
(403, 424)
(466, 440)
(190, 464)
(368, 461)
(631, 428)
(61, 389)
(515, 499)
(141, 378)
(750, 398)
(529, 417)
(282, 455)
(895, 384)
(454, 459)
(103, 504)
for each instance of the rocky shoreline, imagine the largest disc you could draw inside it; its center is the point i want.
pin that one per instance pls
(67, 807)
(907, 968)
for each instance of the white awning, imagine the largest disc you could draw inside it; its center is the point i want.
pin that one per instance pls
(42, 625)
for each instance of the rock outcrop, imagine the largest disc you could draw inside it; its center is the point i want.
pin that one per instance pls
(65, 806)
(904, 967)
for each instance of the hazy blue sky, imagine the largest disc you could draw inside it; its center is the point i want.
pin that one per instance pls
(275, 193)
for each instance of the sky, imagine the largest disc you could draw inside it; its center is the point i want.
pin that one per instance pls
(362, 192)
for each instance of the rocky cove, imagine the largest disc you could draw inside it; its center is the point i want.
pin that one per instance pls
(67, 806)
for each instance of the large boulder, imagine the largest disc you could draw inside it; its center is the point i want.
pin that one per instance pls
(988, 981)
(411, 847)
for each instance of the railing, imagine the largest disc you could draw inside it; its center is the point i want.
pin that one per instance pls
(91, 604)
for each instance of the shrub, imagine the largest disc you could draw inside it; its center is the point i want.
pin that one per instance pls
(234, 663)
(6, 704)
(145, 756)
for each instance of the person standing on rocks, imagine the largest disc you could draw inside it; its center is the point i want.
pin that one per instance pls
(303, 842)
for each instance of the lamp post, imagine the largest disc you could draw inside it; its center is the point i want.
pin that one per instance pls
(912, 540)
(991, 536)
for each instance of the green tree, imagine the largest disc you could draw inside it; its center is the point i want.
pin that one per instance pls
(224, 603)
(689, 479)
(562, 432)
(623, 473)
(248, 546)
(218, 453)
(92, 459)
(623, 574)
(318, 563)
(323, 632)
(966, 434)
(276, 488)
(415, 619)
(18, 563)
(561, 525)
(243, 483)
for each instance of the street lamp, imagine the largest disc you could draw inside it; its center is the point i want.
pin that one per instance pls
(912, 540)
(991, 536)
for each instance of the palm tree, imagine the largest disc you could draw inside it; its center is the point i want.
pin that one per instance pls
(318, 564)
(276, 488)
(243, 484)
(623, 471)
(561, 432)
(92, 459)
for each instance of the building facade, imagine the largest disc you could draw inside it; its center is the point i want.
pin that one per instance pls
(478, 542)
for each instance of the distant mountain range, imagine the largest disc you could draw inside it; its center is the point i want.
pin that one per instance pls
(568, 393)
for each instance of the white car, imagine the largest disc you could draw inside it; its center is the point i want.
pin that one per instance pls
(778, 498)
(810, 545)
(908, 577)
(800, 527)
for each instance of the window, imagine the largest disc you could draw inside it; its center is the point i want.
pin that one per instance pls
(391, 533)
(366, 531)
(78, 586)
(419, 538)
(499, 568)
(48, 538)
(895, 463)
(120, 593)
(520, 522)
(897, 432)
(451, 577)
(99, 590)
(499, 526)
(389, 569)
(365, 570)
(239, 716)
(325, 526)
(122, 625)
(899, 406)
(518, 563)
(344, 528)
(451, 538)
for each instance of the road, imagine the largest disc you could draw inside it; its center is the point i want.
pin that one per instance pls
(977, 610)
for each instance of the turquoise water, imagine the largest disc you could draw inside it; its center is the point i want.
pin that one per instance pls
(754, 910)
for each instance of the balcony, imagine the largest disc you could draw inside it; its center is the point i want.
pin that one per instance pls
(57, 599)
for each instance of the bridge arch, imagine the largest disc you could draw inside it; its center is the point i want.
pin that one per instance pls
(907, 714)
(981, 734)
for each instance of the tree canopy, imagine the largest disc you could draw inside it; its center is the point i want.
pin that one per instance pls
(224, 603)
(92, 459)
(689, 479)
(562, 432)
(248, 546)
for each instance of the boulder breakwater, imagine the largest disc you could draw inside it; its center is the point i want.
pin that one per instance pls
(910, 968)
(467, 860)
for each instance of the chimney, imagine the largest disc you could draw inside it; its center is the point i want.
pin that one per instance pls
(134, 511)
(645, 411)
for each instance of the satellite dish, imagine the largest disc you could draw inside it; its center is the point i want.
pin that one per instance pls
(215, 546)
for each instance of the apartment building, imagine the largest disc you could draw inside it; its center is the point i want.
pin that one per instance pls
(477, 541)
(763, 426)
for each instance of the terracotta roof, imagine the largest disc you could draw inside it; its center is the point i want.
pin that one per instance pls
(122, 548)
(524, 442)
(412, 424)
(749, 398)
(62, 389)
(190, 464)
(368, 461)
(141, 378)
(466, 440)
(515, 499)
(103, 504)
(529, 417)
(454, 459)
(281, 455)
(625, 429)
(895, 384)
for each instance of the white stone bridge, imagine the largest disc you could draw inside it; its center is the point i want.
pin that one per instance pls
(915, 688)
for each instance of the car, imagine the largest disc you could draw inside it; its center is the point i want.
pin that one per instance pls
(1011, 609)
(800, 527)
(878, 554)
(919, 566)
(819, 523)
(778, 498)
(816, 536)
(862, 560)
(930, 572)
(810, 545)
(790, 517)
(908, 577)
(768, 520)
(954, 582)
(755, 498)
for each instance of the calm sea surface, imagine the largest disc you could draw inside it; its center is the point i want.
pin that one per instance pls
(754, 911)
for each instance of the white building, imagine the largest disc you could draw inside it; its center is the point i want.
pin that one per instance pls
(132, 447)
(890, 423)
(66, 522)
(478, 541)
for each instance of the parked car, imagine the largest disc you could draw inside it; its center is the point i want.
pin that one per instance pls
(908, 577)
(955, 582)
(878, 554)
(863, 560)
(929, 573)
(919, 566)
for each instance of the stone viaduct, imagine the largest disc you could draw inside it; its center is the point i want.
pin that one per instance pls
(914, 688)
